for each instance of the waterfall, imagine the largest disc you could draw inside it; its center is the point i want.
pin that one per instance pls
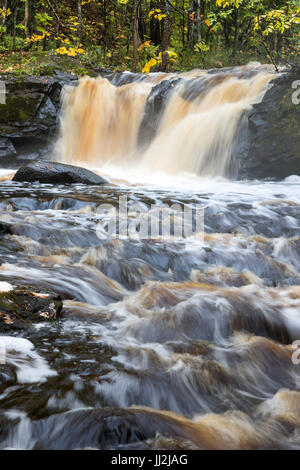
(194, 119)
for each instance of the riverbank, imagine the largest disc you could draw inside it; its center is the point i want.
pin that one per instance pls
(48, 63)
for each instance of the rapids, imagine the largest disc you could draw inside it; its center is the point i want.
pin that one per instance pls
(182, 343)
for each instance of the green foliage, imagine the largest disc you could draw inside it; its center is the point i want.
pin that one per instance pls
(100, 33)
(7, 43)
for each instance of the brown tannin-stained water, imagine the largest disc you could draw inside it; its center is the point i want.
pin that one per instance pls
(165, 343)
(103, 122)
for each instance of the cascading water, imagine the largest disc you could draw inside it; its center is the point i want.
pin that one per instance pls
(196, 134)
(163, 344)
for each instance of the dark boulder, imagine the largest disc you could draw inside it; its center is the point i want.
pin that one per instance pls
(268, 144)
(7, 376)
(29, 116)
(154, 108)
(57, 173)
(21, 308)
(5, 228)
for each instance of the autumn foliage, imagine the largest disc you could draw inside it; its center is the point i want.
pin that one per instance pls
(147, 35)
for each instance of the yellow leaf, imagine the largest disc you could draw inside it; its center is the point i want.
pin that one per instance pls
(149, 65)
(145, 44)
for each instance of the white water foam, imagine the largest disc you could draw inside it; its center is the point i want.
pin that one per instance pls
(30, 366)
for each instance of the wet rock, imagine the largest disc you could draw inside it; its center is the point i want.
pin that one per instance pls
(104, 429)
(4, 228)
(22, 307)
(6, 148)
(154, 108)
(269, 137)
(123, 78)
(57, 173)
(29, 117)
(7, 376)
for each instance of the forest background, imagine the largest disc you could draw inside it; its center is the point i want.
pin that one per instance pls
(85, 36)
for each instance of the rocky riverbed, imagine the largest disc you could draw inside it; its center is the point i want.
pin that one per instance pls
(114, 338)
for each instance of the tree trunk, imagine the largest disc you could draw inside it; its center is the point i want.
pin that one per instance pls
(190, 32)
(79, 31)
(154, 28)
(226, 33)
(26, 17)
(3, 19)
(15, 27)
(141, 23)
(182, 26)
(236, 32)
(166, 37)
(275, 44)
(199, 36)
(135, 35)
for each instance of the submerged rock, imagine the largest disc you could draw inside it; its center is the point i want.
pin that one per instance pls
(22, 307)
(57, 173)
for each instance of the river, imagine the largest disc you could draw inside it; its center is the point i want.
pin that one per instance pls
(166, 342)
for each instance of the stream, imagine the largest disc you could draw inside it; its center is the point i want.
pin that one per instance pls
(165, 342)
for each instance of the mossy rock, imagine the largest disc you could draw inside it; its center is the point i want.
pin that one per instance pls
(47, 70)
(20, 108)
(28, 119)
